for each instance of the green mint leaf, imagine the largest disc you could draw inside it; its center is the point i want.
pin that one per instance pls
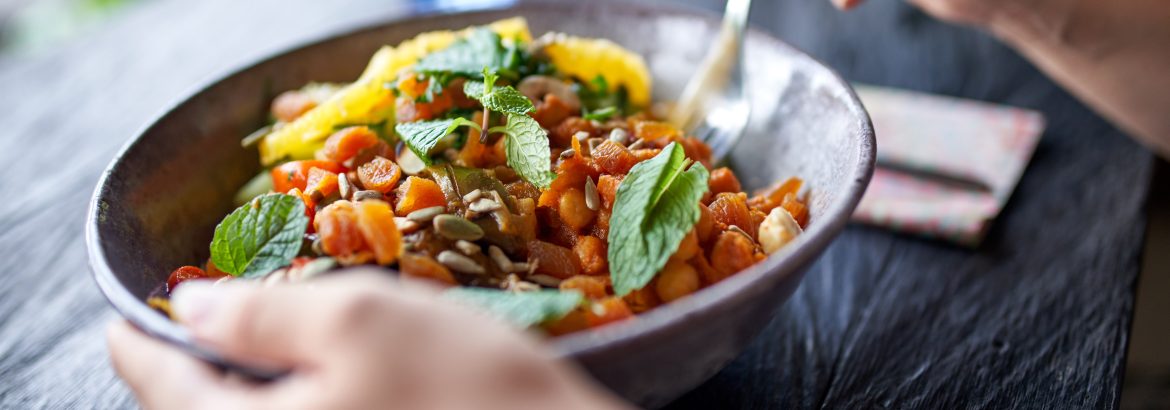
(600, 115)
(260, 236)
(421, 136)
(503, 99)
(527, 150)
(656, 206)
(522, 309)
(467, 56)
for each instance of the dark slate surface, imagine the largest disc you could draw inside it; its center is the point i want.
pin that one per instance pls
(1038, 317)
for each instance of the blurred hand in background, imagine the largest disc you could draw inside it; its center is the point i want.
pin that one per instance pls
(1114, 55)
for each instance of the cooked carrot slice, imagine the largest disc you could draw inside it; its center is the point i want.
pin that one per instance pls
(295, 174)
(767, 199)
(732, 253)
(380, 174)
(796, 208)
(291, 104)
(560, 135)
(551, 111)
(346, 143)
(417, 193)
(574, 321)
(376, 221)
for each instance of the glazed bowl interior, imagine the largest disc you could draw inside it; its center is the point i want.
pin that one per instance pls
(158, 203)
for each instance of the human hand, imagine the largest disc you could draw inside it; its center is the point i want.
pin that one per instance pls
(353, 340)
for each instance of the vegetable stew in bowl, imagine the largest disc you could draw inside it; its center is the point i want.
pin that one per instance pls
(531, 176)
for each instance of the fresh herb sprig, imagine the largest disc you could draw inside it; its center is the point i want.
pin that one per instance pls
(421, 136)
(522, 309)
(260, 236)
(657, 204)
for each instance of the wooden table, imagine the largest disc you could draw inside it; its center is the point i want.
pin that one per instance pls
(1037, 317)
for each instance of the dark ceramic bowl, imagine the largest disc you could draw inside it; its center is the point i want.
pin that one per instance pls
(157, 204)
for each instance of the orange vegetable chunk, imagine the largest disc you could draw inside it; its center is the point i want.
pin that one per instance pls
(423, 267)
(553, 260)
(417, 193)
(380, 174)
(607, 310)
(376, 221)
(346, 143)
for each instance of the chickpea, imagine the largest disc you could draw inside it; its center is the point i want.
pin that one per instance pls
(572, 209)
(687, 249)
(705, 228)
(593, 287)
(677, 279)
(591, 251)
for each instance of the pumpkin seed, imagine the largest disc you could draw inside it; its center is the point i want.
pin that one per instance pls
(367, 194)
(466, 247)
(500, 258)
(473, 196)
(484, 205)
(592, 200)
(343, 185)
(459, 263)
(545, 280)
(619, 136)
(454, 227)
(426, 214)
(410, 163)
(405, 225)
(568, 153)
(316, 267)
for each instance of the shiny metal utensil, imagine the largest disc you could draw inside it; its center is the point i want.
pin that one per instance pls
(713, 107)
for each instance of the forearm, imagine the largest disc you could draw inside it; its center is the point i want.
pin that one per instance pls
(1114, 55)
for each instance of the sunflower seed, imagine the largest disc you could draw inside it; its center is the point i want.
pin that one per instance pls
(484, 205)
(637, 144)
(367, 194)
(568, 153)
(619, 136)
(460, 263)
(581, 136)
(740, 231)
(405, 225)
(522, 267)
(545, 280)
(426, 214)
(343, 186)
(592, 201)
(500, 258)
(514, 284)
(466, 247)
(454, 227)
(473, 196)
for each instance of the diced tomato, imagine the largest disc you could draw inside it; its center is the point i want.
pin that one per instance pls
(295, 174)
(182, 274)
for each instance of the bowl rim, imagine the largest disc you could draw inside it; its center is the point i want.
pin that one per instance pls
(664, 319)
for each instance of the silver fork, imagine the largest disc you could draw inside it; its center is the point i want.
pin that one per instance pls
(713, 106)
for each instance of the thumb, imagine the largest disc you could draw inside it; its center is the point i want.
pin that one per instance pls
(282, 326)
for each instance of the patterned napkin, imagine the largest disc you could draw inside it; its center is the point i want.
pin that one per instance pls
(946, 166)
